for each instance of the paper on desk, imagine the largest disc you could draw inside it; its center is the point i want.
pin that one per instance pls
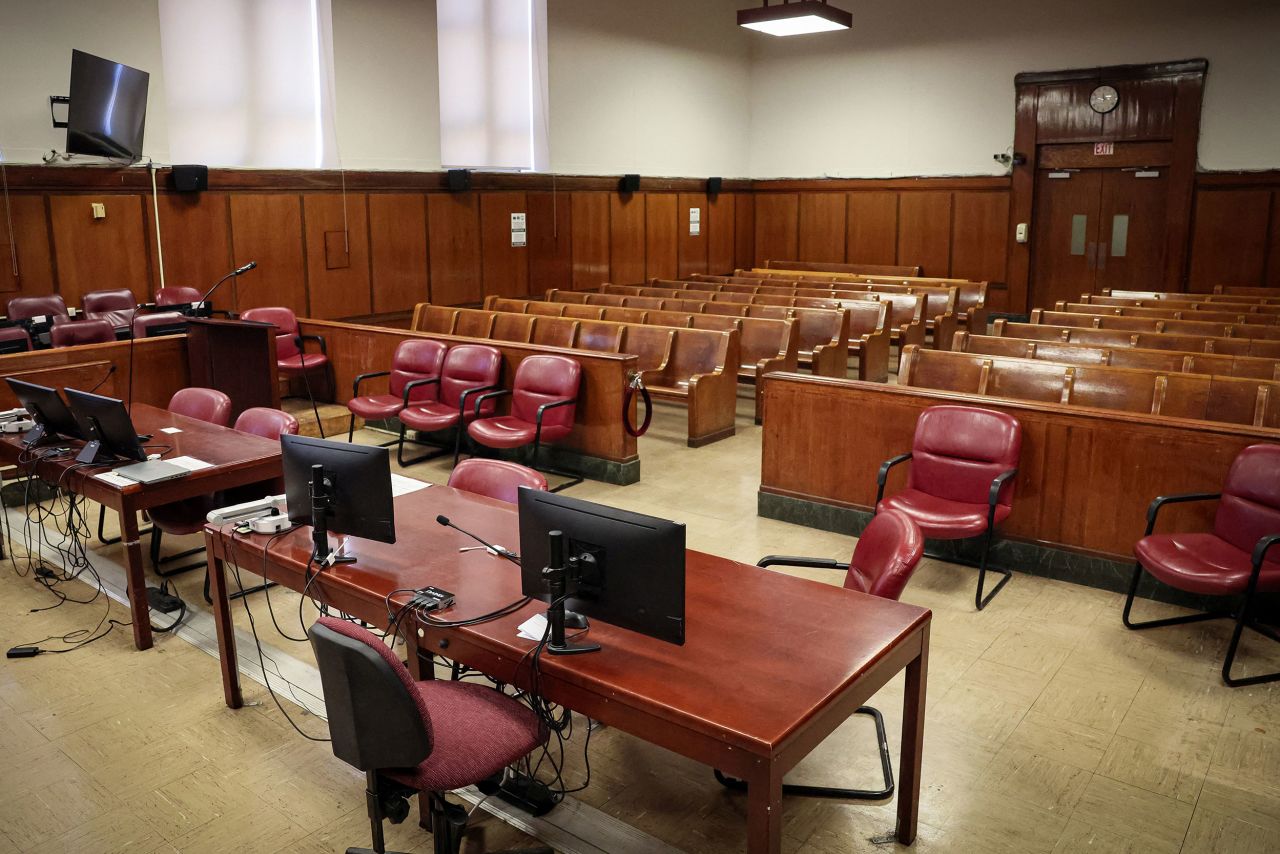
(534, 628)
(114, 479)
(190, 463)
(170, 429)
(401, 485)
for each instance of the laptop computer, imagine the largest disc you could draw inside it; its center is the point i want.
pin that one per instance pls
(152, 471)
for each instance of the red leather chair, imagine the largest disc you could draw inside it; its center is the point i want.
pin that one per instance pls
(544, 398)
(166, 322)
(117, 307)
(14, 339)
(408, 736)
(178, 295)
(1230, 560)
(292, 360)
(495, 478)
(82, 332)
(25, 308)
(883, 561)
(963, 461)
(415, 363)
(467, 370)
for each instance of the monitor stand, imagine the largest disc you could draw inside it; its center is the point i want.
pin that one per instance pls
(557, 584)
(92, 453)
(321, 500)
(33, 436)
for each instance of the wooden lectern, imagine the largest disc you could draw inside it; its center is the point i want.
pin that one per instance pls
(238, 358)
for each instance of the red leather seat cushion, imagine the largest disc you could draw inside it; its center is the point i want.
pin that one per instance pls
(429, 416)
(309, 362)
(942, 518)
(376, 405)
(502, 432)
(1203, 563)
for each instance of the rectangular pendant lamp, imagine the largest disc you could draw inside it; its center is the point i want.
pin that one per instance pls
(795, 19)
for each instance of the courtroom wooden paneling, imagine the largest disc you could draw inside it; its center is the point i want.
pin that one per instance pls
(924, 232)
(823, 227)
(589, 221)
(980, 241)
(661, 255)
(30, 237)
(777, 227)
(1229, 239)
(453, 248)
(872, 228)
(692, 250)
(196, 230)
(720, 225)
(159, 369)
(505, 267)
(1273, 244)
(626, 238)
(550, 256)
(267, 228)
(99, 254)
(337, 241)
(397, 251)
(744, 240)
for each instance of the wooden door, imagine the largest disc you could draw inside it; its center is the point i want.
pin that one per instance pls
(1130, 251)
(1065, 225)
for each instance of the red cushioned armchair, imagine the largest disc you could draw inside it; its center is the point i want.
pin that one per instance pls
(1233, 559)
(82, 332)
(414, 362)
(495, 478)
(467, 370)
(292, 360)
(118, 307)
(960, 485)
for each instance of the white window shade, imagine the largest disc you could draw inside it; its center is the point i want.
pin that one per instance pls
(493, 83)
(249, 82)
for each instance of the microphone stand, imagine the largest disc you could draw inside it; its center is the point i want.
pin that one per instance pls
(239, 271)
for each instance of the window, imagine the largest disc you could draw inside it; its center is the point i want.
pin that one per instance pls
(493, 83)
(249, 82)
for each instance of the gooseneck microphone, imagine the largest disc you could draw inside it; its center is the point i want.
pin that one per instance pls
(239, 271)
(498, 550)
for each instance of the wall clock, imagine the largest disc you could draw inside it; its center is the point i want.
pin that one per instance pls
(1104, 99)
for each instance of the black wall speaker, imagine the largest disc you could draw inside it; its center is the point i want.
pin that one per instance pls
(459, 180)
(189, 179)
(714, 185)
(629, 184)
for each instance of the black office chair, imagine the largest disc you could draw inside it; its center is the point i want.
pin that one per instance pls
(408, 736)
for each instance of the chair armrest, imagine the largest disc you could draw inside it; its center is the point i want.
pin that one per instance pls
(883, 474)
(1161, 501)
(997, 483)
(355, 387)
(552, 405)
(412, 384)
(1259, 555)
(810, 562)
(462, 405)
(316, 338)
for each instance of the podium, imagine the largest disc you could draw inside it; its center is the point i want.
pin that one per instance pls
(238, 358)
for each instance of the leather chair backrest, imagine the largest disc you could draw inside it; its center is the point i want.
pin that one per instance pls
(469, 366)
(544, 379)
(267, 422)
(886, 555)
(165, 318)
(495, 478)
(416, 359)
(1250, 505)
(15, 333)
(82, 332)
(177, 295)
(204, 404)
(959, 450)
(377, 718)
(286, 325)
(120, 299)
(22, 308)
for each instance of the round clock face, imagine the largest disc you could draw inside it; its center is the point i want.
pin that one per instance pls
(1104, 99)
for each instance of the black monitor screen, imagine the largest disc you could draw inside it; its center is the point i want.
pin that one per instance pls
(46, 408)
(108, 107)
(358, 484)
(106, 420)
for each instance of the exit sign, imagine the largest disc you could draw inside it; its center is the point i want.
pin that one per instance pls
(1104, 149)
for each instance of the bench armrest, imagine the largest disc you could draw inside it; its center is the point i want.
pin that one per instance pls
(355, 387)
(1161, 501)
(489, 395)
(883, 474)
(412, 384)
(809, 562)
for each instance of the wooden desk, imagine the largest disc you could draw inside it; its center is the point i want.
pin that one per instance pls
(236, 459)
(772, 663)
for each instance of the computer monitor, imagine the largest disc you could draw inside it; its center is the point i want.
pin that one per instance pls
(625, 568)
(46, 408)
(355, 490)
(177, 326)
(107, 427)
(107, 111)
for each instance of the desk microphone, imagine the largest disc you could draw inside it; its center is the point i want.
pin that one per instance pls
(508, 554)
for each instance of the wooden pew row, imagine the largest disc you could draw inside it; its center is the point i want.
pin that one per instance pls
(1173, 312)
(160, 368)
(1246, 308)
(684, 365)
(1231, 400)
(1144, 324)
(1119, 357)
(1183, 295)
(1270, 294)
(855, 269)
(1085, 478)
(669, 290)
(1146, 340)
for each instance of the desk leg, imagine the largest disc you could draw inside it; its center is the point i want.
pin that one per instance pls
(912, 743)
(137, 580)
(226, 629)
(764, 810)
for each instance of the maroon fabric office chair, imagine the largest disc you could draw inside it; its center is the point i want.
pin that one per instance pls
(544, 399)
(145, 322)
(177, 295)
(883, 561)
(960, 485)
(292, 360)
(495, 478)
(407, 736)
(414, 367)
(1233, 559)
(467, 370)
(82, 332)
(25, 308)
(14, 339)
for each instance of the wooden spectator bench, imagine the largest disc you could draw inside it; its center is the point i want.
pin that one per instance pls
(1147, 340)
(1269, 299)
(1188, 304)
(1145, 324)
(1272, 294)
(855, 269)
(1223, 314)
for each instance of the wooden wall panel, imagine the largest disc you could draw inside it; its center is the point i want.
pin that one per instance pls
(1273, 241)
(196, 231)
(979, 236)
(95, 255)
(872, 228)
(267, 228)
(744, 242)
(337, 241)
(626, 238)
(550, 258)
(505, 268)
(1229, 238)
(660, 247)
(823, 227)
(35, 273)
(589, 223)
(924, 232)
(777, 227)
(693, 250)
(1146, 110)
(453, 248)
(720, 225)
(397, 251)
(1064, 114)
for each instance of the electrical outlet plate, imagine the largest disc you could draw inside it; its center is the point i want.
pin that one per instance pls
(99, 210)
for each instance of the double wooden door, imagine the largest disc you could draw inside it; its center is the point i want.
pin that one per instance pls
(1095, 229)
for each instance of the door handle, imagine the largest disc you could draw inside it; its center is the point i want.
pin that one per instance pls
(1102, 256)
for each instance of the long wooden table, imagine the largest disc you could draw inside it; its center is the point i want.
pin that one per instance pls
(235, 458)
(771, 666)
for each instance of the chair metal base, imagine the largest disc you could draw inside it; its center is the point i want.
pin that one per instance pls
(886, 767)
(157, 561)
(102, 521)
(979, 600)
(440, 451)
(351, 434)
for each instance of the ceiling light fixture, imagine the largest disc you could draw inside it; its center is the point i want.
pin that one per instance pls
(795, 18)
